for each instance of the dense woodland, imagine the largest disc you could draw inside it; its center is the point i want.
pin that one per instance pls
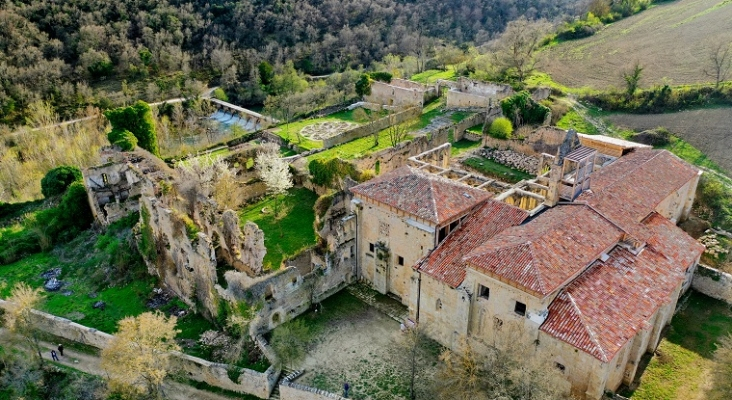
(89, 52)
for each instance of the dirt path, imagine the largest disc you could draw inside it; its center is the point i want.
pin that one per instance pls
(91, 364)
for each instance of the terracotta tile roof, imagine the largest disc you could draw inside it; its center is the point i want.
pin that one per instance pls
(671, 241)
(600, 311)
(543, 254)
(427, 196)
(446, 262)
(634, 185)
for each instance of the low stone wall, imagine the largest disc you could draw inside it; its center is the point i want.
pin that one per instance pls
(541, 140)
(250, 382)
(368, 129)
(295, 391)
(713, 283)
(456, 99)
(472, 137)
(460, 129)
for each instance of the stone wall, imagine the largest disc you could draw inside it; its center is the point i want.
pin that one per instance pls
(250, 382)
(295, 391)
(393, 95)
(713, 283)
(368, 129)
(541, 140)
(456, 99)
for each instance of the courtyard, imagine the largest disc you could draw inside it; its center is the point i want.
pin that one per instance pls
(351, 341)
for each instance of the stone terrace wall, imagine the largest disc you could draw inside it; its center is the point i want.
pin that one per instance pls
(251, 382)
(368, 129)
(713, 283)
(542, 140)
(295, 391)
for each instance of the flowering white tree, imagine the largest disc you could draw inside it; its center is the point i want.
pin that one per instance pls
(274, 171)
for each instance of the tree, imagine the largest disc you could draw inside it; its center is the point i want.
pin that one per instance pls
(459, 374)
(363, 85)
(19, 317)
(138, 358)
(275, 172)
(632, 79)
(720, 56)
(412, 343)
(523, 110)
(123, 138)
(57, 180)
(501, 128)
(516, 49)
(397, 131)
(137, 119)
(289, 341)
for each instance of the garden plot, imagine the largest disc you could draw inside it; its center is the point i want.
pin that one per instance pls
(326, 129)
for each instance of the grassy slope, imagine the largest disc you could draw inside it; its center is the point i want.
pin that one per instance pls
(680, 369)
(291, 233)
(432, 75)
(671, 41)
(572, 119)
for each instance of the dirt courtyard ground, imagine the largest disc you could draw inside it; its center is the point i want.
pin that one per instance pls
(671, 41)
(709, 130)
(364, 348)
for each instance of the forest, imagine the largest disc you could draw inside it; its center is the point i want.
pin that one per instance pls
(77, 53)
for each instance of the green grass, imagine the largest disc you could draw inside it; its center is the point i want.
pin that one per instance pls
(432, 75)
(499, 171)
(356, 148)
(537, 79)
(287, 235)
(464, 145)
(458, 116)
(341, 305)
(683, 359)
(574, 120)
(289, 131)
(690, 154)
(476, 129)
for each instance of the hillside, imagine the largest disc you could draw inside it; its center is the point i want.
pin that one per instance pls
(670, 40)
(706, 129)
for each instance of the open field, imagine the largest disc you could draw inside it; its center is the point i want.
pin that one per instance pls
(291, 231)
(707, 129)
(348, 341)
(681, 368)
(671, 41)
(290, 131)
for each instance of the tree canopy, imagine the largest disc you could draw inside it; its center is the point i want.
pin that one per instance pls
(137, 119)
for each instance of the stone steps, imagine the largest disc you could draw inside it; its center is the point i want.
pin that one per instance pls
(398, 313)
(287, 375)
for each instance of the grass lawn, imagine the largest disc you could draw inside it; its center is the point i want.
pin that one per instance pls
(464, 145)
(287, 235)
(289, 131)
(572, 119)
(680, 368)
(96, 268)
(476, 129)
(432, 75)
(356, 148)
(493, 169)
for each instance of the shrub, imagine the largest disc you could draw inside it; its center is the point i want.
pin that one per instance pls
(359, 115)
(58, 180)
(381, 76)
(324, 172)
(122, 138)
(137, 119)
(363, 85)
(501, 128)
(522, 109)
(220, 94)
(653, 137)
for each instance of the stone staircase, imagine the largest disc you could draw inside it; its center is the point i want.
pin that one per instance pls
(436, 124)
(286, 375)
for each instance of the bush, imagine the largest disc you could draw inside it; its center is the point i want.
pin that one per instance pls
(653, 137)
(501, 128)
(359, 115)
(58, 180)
(122, 138)
(324, 172)
(661, 99)
(220, 94)
(381, 76)
(137, 119)
(363, 85)
(523, 110)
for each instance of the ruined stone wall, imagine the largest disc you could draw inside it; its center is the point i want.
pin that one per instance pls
(383, 93)
(457, 99)
(713, 283)
(250, 382)
(485, 89)
(368, 129)
(541, 140)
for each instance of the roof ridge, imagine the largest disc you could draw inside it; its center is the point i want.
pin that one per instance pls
(432, 197)
(592, 335)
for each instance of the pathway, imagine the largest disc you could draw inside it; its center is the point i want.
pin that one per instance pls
(91, 364)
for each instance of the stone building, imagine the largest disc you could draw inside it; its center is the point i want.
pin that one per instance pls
(589, 280)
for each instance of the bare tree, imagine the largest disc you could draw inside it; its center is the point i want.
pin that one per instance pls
(515, 51)
(413, 342)
(397, 131)
(19, 318)
(720, 56)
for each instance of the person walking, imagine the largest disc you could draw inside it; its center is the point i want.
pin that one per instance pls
(54, 357)
(345, 389)
(61, 349)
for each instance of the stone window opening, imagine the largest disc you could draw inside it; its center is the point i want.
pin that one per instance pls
(438, 305)
(497, 323)
(371, 247)
(268, 293)
(520, 308)
(294, 280)
(560, 367)
(400, 260)
(276, 318)
(484, 292)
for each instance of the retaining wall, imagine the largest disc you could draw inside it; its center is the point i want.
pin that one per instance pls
(250, 382)
(713, 283)
(368, 129)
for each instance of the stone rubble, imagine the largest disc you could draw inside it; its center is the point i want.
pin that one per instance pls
(512, 159)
